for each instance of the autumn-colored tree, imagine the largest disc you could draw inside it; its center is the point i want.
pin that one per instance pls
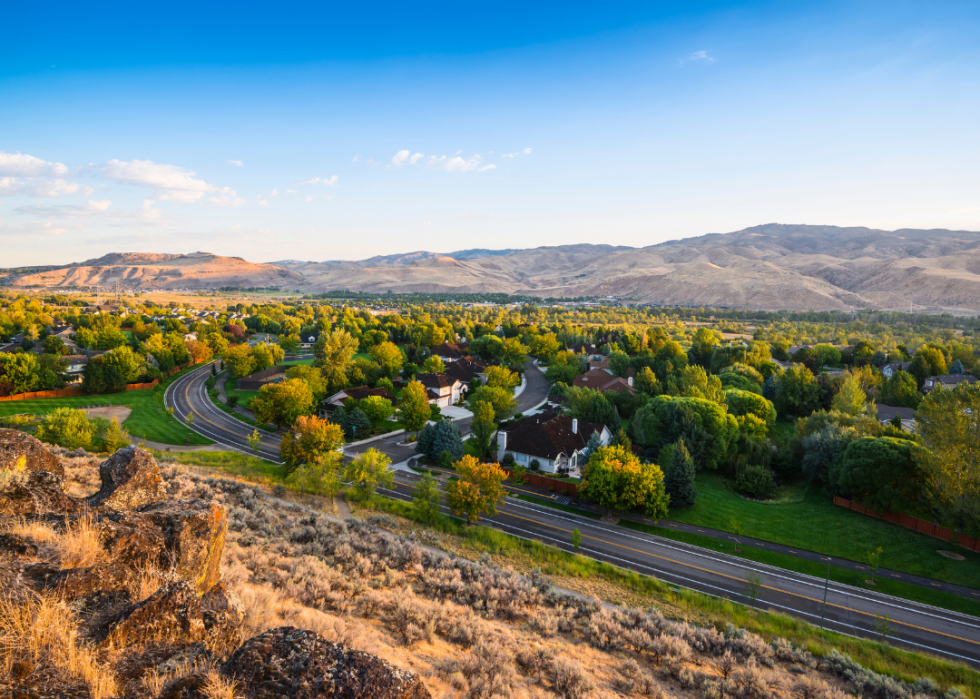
(502, 399)
(313, 378)
(513, 353)
(199, 351)
(322, 476)
(545, 347)
(334, 350)
(434, 365)
(478, 491)
(310, 436)
(367, 471)
(239, 361)
(616, 479)
(850, 399)
(282, 403)
(413, 406)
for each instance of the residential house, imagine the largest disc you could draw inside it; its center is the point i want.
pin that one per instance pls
(603, 380)
(75, 366)
(443, 390)
(448, 352)
(588, 349)
(889, 369)
(328, 405)
(948, 381)
(467, 369)
(887, 412)
(307, 340)
(554, 440)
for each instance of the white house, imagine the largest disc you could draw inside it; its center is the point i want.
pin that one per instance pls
(307, 340)
(889, 369)
(443, 390)
(554, 440)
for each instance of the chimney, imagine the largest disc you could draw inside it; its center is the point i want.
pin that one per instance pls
(629, 381)
(574, 425)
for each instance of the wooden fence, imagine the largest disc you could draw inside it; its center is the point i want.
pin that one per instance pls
(909, 522)
(65, 392)
(559, 486)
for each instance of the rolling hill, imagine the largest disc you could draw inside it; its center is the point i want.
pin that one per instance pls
(769, 267)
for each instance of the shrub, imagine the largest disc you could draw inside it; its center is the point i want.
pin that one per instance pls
(755, 481)
(66, 427)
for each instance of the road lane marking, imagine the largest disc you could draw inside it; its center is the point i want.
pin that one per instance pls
(732, 577)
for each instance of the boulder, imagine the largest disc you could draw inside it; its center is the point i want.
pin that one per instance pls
(171, 614)
(194, 535)
(17, 545)
(133, 539)
(37, 493)
(73, 583)
(290, 662)
(22, 452)
(223, 617)
(130, 479)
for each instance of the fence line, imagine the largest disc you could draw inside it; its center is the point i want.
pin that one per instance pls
(66, 392)
(914, 523)
(559, 486)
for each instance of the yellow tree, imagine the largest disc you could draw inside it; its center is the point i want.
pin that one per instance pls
(850, 398)
(478, 491)
(367, 471)
(282, 403)
(309, 437)
(616, 479)
(239, 361)
(388, 357)
(500, 377)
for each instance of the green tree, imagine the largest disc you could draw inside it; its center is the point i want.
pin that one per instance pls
(850, 398)
(928, 361)
(367, 471)
(322, 476)
(576, 538)
(313, 378)
(702, 346)
(281, 403)
(745, 403)
(796, 391)
(426, 499)
(500, 377)
(254, 441)
(708, 431)
(647, 383)
(413, 406)
(513, 353)
(114, 437)
(880, 473)
(434, 365)
(483, 426)
(18, 372)
(377, 408)
(591, 447)
(66, 427)
(388, 357)
(615, 479)
(488, 347)
(679, 478)
(358, 423)
(239, 361)
(901, 391)
(561, 373)
(544, 347)
(333, 351)
(949, 423)
(478, 491)
(502, 399)
(593, 406)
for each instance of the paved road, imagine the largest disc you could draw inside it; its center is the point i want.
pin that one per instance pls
(849, 610)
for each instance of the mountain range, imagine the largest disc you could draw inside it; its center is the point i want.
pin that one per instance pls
(768, 267)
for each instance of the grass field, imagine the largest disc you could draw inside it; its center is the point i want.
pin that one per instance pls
(297, 362)
(244, 397)
(813, 522)
(149, 419)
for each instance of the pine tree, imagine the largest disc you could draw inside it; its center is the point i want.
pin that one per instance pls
(956, 367)
(341, 419)
(595, 442)
(679, 479)
(769, 389)
(447, 438)
(359, 424)
(423, 445)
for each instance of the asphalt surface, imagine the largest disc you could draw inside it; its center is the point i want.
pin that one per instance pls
(848, 609)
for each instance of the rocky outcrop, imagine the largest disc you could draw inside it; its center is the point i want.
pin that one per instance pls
(74, 583)
(223, 617)
(290, 662)
(172, 613)
(17, 545)
(133, 539)
(130, 479)
(194, 535)
(37, 493)
(22, 452)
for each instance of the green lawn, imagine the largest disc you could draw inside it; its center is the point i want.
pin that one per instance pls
(149, 419)
(295, 362)
(244, 397)
(811, 521)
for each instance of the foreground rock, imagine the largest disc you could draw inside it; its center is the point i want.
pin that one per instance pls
(194, 536)
(290, 662)
(130, 479)
(22, 452)
(172, 613)
(37, 493)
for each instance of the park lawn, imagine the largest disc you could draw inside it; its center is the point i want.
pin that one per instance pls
(149, 419)
(244, 397)
(297, 362)
(814, 523)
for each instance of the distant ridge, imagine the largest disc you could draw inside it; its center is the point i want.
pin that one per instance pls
(772, 267)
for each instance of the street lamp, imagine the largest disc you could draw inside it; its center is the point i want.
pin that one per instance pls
(826, 584)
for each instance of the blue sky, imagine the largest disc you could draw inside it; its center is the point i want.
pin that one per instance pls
(324, 131)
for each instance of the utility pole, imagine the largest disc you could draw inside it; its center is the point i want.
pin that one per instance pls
(826, 584)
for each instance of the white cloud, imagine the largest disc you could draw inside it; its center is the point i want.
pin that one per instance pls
(275, 192)
(457, 164)
(169, 182)
(526, 151)
(415, 158)
(331, 182)
(20, 165)
(401, 157)
(315, 180)
(9, 186)
(327, 182)
(58, 188)
(88, 209)
(696, 57)
(236, 163)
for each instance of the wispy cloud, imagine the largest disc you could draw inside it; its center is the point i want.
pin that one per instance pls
(696, 57)
(526, 151)
(326, 181)
(236, 163)
(22, 165)
(88, 209)
(403, 157)
(169, 182)
(33, 187)
(457, 164)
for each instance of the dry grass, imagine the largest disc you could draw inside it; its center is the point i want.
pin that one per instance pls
(217, 687)
(38, 532)
(79, 545)
(42, 633)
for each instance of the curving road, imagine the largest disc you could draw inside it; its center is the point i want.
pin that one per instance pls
(848, 610)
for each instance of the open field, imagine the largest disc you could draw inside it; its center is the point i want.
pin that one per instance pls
(816, 524)
(148, 420)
